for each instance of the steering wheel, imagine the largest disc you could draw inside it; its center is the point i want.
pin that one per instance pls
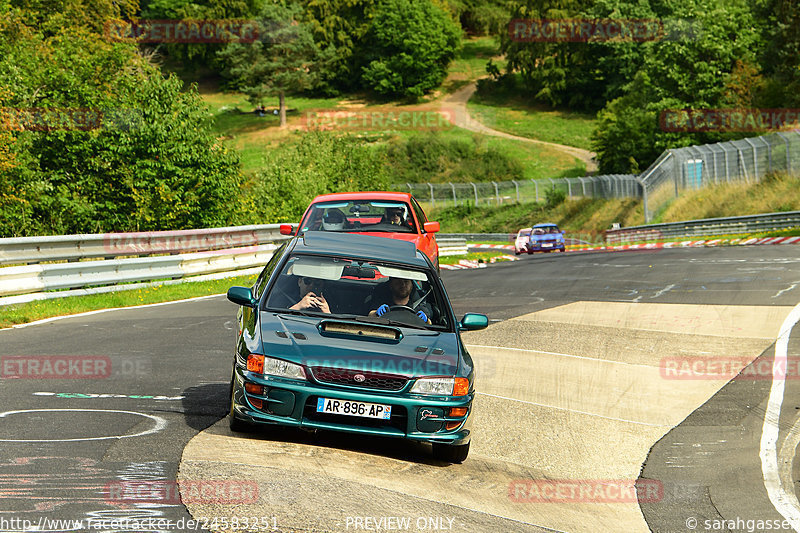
(405, 308)
(402, 307)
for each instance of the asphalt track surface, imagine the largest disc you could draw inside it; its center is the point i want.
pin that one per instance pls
(598, 370)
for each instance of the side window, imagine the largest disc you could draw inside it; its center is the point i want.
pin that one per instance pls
(420, 214)
(263, 278)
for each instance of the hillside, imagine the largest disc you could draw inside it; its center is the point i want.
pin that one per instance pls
(590, 217)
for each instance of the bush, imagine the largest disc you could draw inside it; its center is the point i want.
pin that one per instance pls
(316, 163)
(430, 157)
(554, 197)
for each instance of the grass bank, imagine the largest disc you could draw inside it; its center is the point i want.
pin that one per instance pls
(32, 311)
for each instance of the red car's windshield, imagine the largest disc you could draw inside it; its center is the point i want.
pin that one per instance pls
(360, 216)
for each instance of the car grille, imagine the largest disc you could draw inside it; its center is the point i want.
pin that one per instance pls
(347, 377)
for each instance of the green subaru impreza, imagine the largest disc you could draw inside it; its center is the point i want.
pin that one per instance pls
(353, 333)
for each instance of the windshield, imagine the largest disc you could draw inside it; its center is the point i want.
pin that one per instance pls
(360, 216)
(363, 290)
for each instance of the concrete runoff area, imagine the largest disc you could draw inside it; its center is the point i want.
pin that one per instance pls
(571, 395)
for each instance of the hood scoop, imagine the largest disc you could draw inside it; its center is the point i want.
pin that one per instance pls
(350, 329)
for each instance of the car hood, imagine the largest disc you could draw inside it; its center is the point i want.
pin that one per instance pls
(337, 343)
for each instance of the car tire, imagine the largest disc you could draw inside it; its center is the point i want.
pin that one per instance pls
(530, 252)
(234, 423)
(516, 252)
(451, 453)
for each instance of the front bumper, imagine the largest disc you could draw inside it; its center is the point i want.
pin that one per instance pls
(544, 246)
(292, 403)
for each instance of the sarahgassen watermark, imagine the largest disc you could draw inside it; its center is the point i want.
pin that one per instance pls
(598, 30)
(728, 120)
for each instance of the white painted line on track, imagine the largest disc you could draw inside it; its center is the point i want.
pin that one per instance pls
(160, 424)
(575, 411)
(583, 357)
(792, 286)
(783, 498)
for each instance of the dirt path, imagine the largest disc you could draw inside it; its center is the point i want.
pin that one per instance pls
(456, 104)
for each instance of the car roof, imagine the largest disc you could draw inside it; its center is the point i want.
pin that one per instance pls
(374, 195)
(357, 246)
(546, 224)
(524, 229)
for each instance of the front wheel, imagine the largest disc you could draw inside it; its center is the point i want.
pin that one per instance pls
(234, 423)
(451, 453)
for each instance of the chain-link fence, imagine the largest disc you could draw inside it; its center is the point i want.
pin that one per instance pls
(500, 192)
(744, 161)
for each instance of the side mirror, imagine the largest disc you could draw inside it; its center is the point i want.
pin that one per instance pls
(287, 229)
(431, 227)
(473, 321)
(242, 296)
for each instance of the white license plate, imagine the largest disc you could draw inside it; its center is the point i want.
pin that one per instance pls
(547, 245)
(350, 408)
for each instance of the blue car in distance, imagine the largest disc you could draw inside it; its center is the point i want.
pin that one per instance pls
(353, 333)
(546, 238)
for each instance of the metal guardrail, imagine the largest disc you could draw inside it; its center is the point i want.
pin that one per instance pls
(473, 237)
(28, 279)
(707, 226)
(40, 262)
(25, 250)
(451, 246)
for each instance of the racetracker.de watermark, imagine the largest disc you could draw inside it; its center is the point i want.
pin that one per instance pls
(585, 491)
(742, 368)
(55, 367)
(48, 119)
(411, 119)
(185, 31)
(154, 242)
(226, 492)
(597, 30)
(728, 120)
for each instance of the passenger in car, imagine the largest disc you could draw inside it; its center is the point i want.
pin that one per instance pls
(400, 292)
(308, 296)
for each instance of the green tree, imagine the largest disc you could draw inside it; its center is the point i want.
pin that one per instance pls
(315, 163)
(286, 58)
(340, 25)
(699, 70)
(145, 160)
(408, 48)
(197, 55)
(781, 56)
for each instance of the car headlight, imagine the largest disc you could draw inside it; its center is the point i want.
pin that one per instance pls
(441, 386)
(274, 367)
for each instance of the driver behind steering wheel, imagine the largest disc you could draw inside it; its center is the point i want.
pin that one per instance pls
(400, 294)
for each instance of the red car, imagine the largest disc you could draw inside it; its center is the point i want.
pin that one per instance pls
(396, 215)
